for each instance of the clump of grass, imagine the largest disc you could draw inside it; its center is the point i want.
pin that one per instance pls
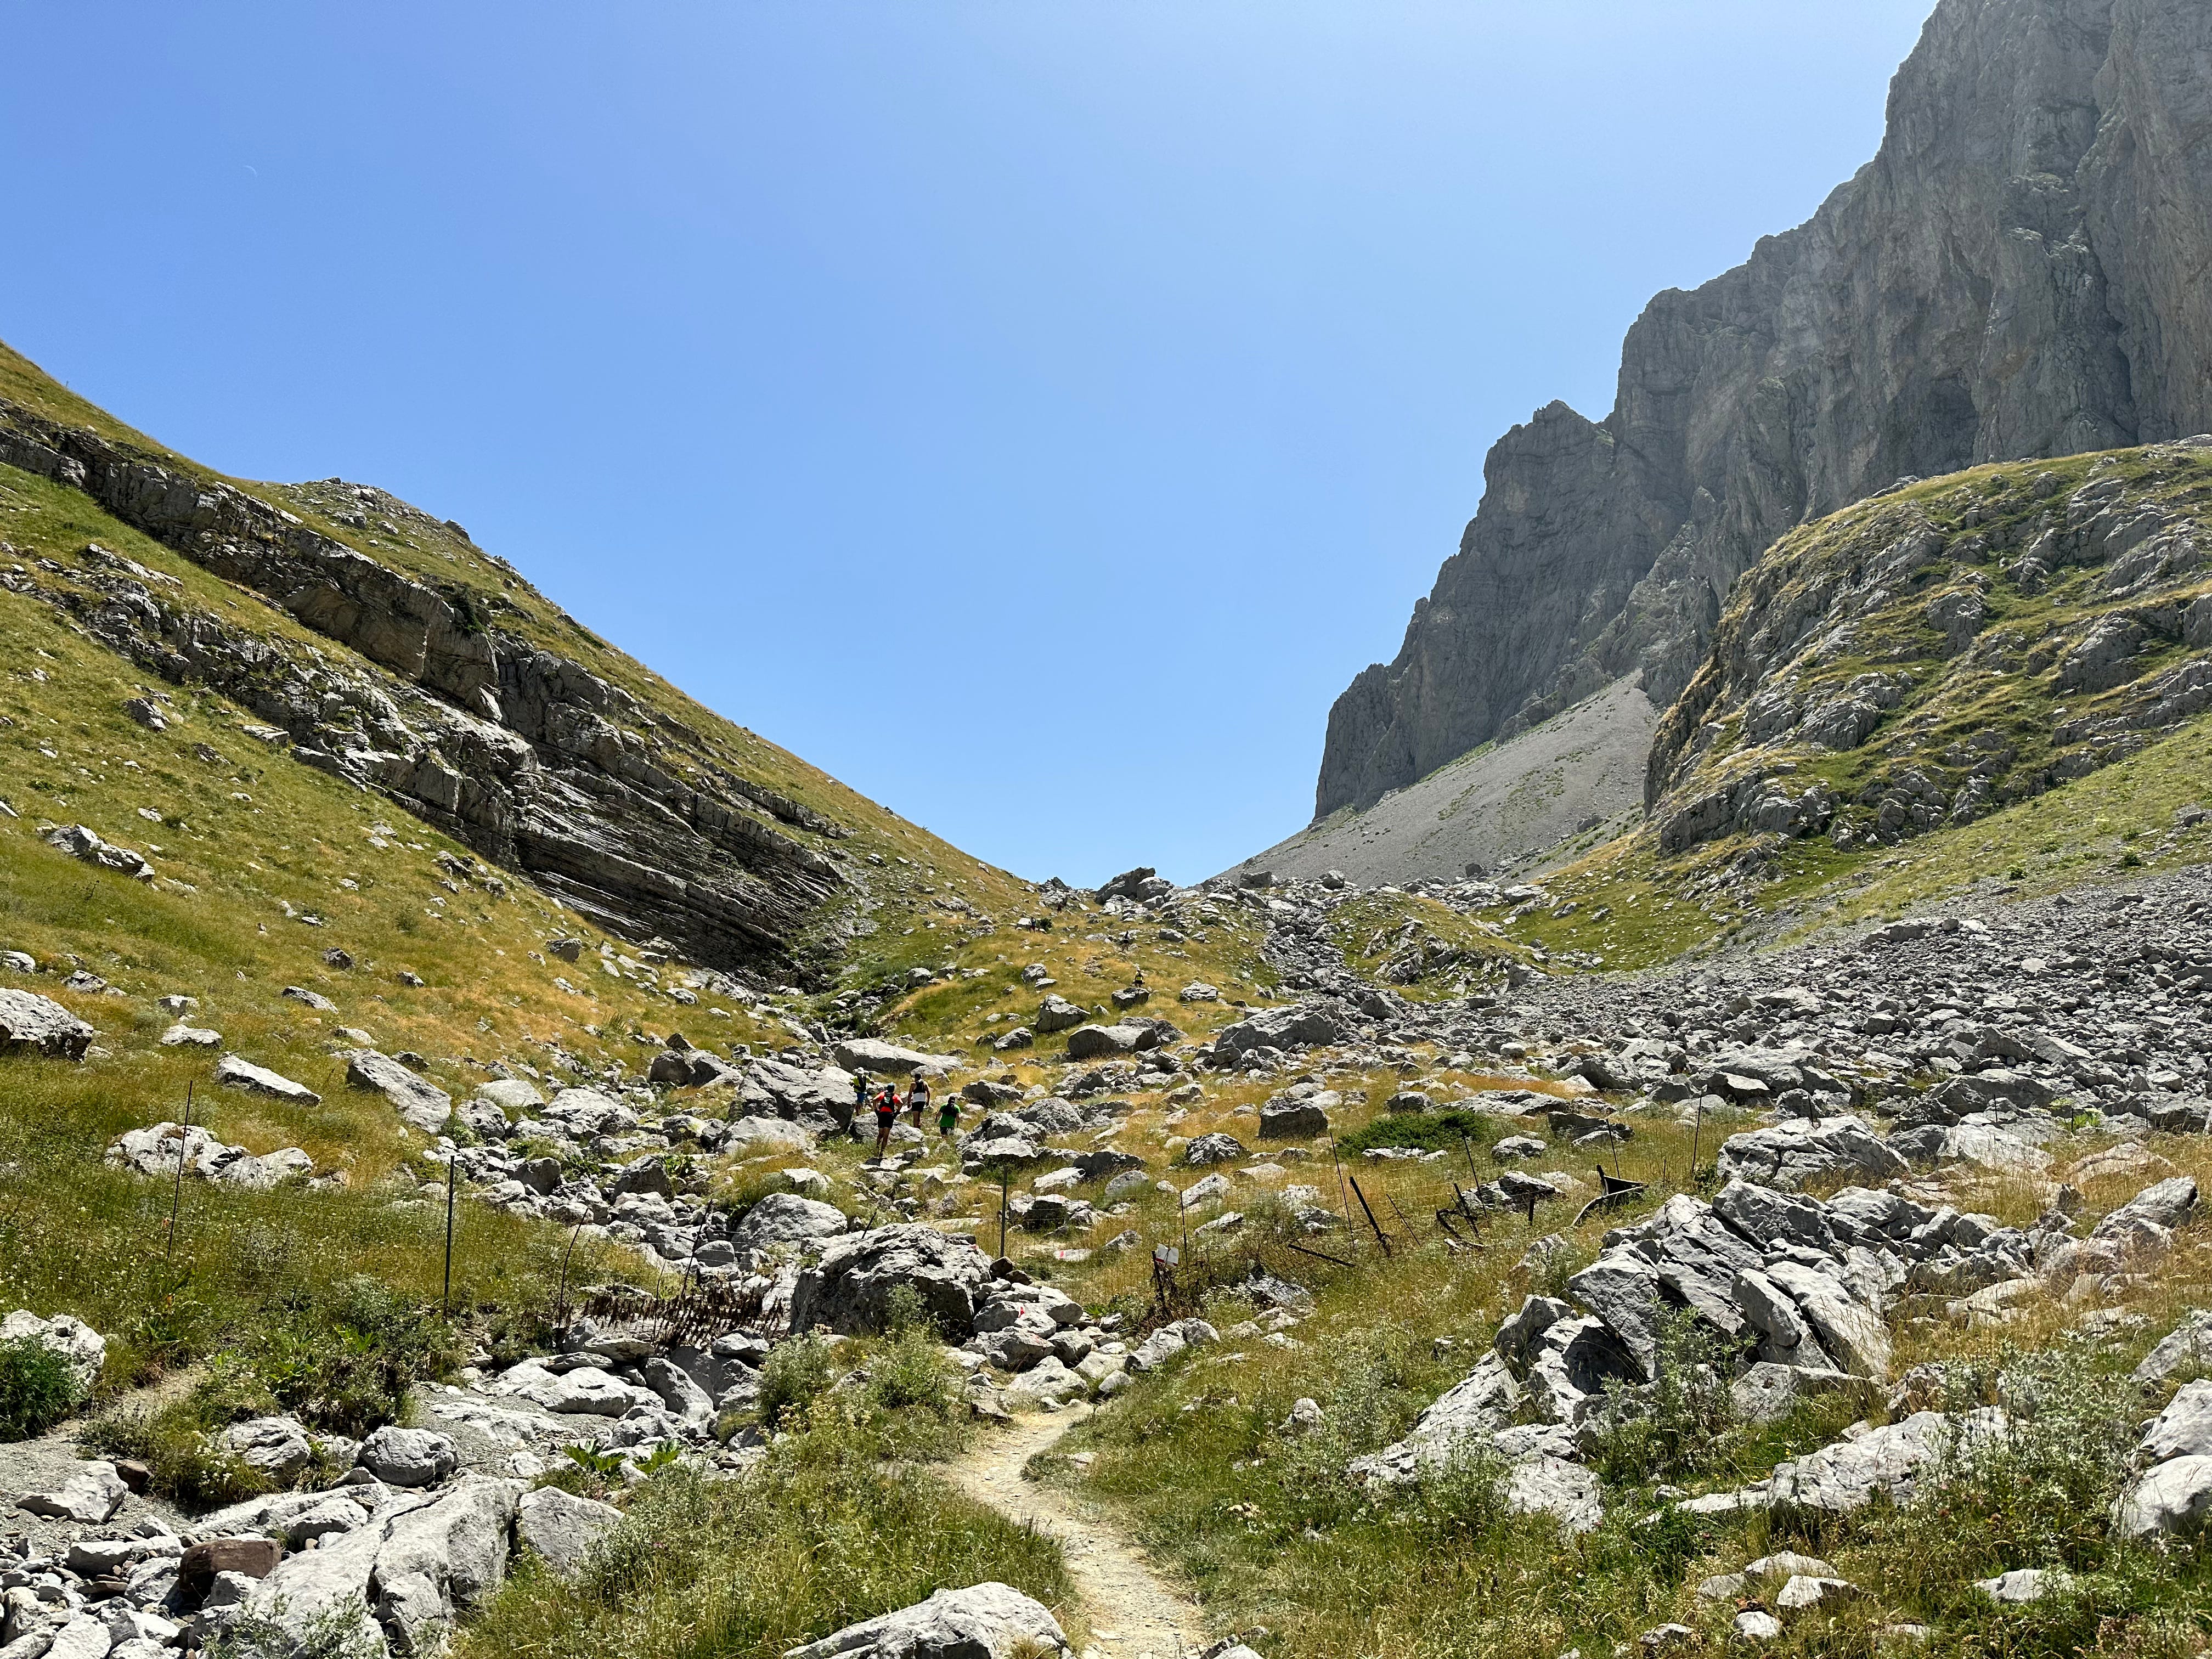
(1445, 1131)
(821, 1535)
(795, 1374)
(37, 1389)
(2038, 1494)
(341, 1362)
(179, 1442)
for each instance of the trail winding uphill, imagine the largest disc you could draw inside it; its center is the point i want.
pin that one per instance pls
(1134, 1613)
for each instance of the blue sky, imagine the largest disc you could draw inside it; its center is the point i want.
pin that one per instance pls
(1032, 413)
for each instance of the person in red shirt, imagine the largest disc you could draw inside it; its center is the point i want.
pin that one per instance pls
(887, 1111)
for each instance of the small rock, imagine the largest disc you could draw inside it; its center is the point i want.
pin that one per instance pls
(2020, 1586)
(562, 1528)
(235, 1073)
(989, 1619)
(91, 1495)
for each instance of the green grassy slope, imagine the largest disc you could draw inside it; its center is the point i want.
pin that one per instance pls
(2000, 753)
(382, 528)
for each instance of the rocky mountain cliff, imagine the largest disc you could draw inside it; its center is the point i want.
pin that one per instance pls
(2017, 274)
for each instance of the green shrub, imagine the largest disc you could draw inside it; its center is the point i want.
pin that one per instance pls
(2038, 1494)
(190, 1466)
(339, 1631)
(1463, 1501)
(1431, 1132)
(345, 1362)
(1678, 1427)
(909, 1371)
(36, 1388)
(794, 1375)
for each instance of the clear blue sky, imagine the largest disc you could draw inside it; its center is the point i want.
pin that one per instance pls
(1034, 413)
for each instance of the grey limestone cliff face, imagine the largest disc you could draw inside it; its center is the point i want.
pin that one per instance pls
(529, 757)
(2020, 272)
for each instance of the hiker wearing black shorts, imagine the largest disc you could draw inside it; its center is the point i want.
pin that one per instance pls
(917, 1098)
(887, 1110)
(848, 1121)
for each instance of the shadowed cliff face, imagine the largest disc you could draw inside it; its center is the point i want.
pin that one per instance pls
(2017, 274)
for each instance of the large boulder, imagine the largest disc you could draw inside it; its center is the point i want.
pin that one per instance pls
(2174, 1497)
(888, 1059)
(1216, 1148)
(586, 1390)
(83, 844)
(408, 1457)
(748, 1136)
(1461, 1420)
(2166, 1205)
(562, 1529)
(1292, 1120)
(1557, 1486)
(1854, 1335)
(797, 1090)
(76, 1343)
(984, 1621)
(2187, 1346)
(158, 1150)
(1306, 1026)
(1048, 1382)
(851, 1288)
(2183, 1429)
(1788, 1155)
(512, 1094)
(89, 1494)
(1056, 1013)
(1889, 1461)
(1621, 1287)
(417, 1100)
(1100, 1041)
(400, 1582)
(277, 1448)
(1571, 1364)
(587, 1113)
(788, 1218)
(40, 1026)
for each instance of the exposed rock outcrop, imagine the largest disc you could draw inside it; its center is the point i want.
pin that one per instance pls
(2011, 276)
(540, 764)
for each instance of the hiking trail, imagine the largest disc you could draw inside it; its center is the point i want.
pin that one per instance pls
(1134, 1612)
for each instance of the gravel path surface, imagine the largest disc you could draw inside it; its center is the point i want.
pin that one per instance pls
(1134, 1612)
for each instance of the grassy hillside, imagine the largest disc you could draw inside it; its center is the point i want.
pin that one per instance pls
(1995, 679)
(888, 860)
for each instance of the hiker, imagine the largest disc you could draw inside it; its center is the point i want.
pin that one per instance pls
(918, 1098)
(948, 1115)
(848, 1121)
(887, 1110)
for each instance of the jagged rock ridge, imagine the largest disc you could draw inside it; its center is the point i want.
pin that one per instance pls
(2013, 276)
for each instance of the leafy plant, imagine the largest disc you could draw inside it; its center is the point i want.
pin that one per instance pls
(795, 1374)
(1676, 1426)
(341, 1631)
(37, 1389)
(345, 1363)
